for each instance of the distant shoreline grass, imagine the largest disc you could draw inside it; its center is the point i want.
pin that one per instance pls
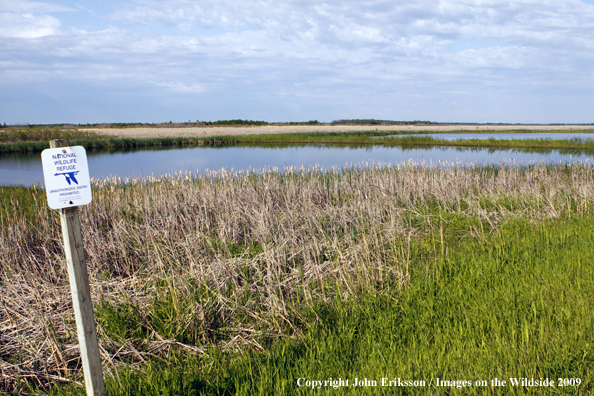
(384, 138)
(368, 138)
(39, 134)
(117, 143)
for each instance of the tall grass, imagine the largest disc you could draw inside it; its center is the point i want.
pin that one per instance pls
(100, 143)
(515, 304)
(182, 267)
(558, 144)
(38, 134)
(404, 139)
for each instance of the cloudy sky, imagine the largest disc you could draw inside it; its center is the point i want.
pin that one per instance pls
(517, 61)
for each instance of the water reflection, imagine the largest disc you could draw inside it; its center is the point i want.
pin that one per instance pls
(26, 169)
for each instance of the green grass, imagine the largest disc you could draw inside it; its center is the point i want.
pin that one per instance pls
(29, 203)
(517, 303)
(567, 144)
(395, 139)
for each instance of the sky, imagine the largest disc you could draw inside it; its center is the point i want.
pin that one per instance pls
(524, 61)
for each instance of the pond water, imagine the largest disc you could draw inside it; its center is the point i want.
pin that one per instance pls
(506, 136)
(25, 169)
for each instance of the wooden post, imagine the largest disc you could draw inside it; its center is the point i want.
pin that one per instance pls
(81, 295)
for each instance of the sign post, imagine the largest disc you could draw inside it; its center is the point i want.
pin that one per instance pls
(68, 185)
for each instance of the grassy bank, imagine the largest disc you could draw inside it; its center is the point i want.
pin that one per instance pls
(379, 138)
(384, 138)
(244, 283)
(39, 134)
(116, 143)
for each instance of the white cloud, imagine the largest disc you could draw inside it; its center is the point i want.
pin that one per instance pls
(180, 86)
(359, 25)
(22, 19)
(27, 25)
(325, 51)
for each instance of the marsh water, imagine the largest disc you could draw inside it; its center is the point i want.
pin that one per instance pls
(25, 169)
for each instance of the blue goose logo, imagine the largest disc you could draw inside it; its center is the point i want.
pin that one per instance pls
(69, 177)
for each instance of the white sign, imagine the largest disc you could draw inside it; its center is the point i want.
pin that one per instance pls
(66, 175)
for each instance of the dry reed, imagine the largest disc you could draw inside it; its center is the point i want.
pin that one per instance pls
(153, 132)
(258, 245)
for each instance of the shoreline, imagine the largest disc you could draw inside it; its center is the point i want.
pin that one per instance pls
(160, 132)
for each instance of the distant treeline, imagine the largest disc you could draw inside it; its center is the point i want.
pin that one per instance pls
(236, 122)
(170, 124)
(240, 122)
(254, 123)
(370, 121)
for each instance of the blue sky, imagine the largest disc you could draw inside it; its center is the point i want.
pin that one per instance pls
(527, 61)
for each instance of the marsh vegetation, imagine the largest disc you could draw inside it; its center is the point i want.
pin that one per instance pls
(242, 283)
(40, 134)
(36, 139)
